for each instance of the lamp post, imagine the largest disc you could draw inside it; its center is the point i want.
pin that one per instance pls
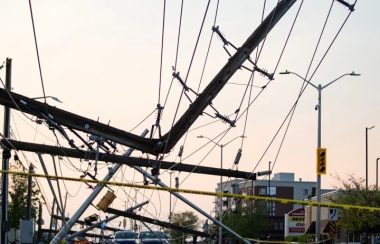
(366, 155)
(221, 146)
(268, 193)
(377, 174)
(319, 88)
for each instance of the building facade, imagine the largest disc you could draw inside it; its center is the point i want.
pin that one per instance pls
(281, 185)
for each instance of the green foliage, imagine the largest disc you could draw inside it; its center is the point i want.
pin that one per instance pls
(185, 219)
(249, 222)
(18, 191)
(354, 193)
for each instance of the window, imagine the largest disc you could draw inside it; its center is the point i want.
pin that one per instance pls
(272, 191)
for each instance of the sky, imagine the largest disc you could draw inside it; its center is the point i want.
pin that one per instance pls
(102, 59)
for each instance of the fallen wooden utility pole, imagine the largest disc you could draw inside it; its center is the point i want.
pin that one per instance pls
(54, 116)
(96, 225)
(131, 215)
(131, 161)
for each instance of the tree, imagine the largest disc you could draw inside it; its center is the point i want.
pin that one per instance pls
(249, 222)
(185, 219)
(354, 193)
(18, 197)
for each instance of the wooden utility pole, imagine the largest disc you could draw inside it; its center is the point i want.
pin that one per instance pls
(154, 146)
(6, 156)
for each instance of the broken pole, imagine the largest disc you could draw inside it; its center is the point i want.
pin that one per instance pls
(69, 224)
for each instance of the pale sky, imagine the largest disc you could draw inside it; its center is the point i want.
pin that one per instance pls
(102, 59)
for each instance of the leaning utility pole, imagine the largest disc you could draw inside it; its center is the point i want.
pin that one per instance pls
(154, 146)
(185, 200)
(63, 232)
(105, 221)
(6, 156)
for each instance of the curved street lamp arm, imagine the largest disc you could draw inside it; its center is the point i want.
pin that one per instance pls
(210, 140)
(337, 79)
(233, 140)
(304, 79)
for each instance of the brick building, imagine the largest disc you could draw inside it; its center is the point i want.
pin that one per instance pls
(281, 185)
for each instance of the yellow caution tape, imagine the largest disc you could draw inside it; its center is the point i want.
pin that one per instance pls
(206, 193)
(287, 242)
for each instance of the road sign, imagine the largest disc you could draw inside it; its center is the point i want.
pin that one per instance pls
(333, 214)
(321, 161)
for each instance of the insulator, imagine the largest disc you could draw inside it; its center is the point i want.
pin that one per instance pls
(155, 171)
(176, 182)
(176, 75)
(94, 137)
(225, 119)
(146, 182)
(217, 31)
(264, 73)
(348, 5)
(238, 156)
(180, 151)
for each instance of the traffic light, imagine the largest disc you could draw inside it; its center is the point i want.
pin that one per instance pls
(321, 161)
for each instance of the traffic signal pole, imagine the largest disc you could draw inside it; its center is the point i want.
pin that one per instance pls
(321, 168)
(318, 192)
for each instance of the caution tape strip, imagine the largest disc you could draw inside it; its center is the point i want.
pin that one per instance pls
(198, 192)
(286, 242)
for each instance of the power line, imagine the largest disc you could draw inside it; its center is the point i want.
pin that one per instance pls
(36, 45)
(162, 50)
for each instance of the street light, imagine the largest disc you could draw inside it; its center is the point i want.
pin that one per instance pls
(52, 97)
(366, 155)
(319, 88)
(236, 161)
(377, 174)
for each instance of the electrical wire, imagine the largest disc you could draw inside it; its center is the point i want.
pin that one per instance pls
(204, 66)
(13, 101)
(319, 40)
(162, 50)
(288, 37)
(36, 45)
(209, 47)
(176, 52)
(143, 120)
(278, 62)
(222, 135)
(188, 71)
(333, 41)
(304, 86)
(315, 70)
